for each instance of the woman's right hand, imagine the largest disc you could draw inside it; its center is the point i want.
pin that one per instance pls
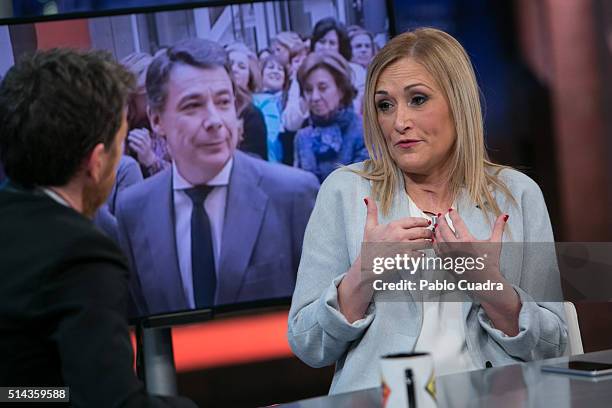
(139, 141)
(355, 290)
(406, 229)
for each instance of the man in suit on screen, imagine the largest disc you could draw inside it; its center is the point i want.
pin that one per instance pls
(219, 226)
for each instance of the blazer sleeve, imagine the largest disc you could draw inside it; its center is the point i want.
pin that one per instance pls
(129, 175)
(107, 223)
(318, 332)
(87, 302)
(542, 326)
(137, 305)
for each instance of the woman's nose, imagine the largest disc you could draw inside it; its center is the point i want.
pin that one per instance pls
(403, 119)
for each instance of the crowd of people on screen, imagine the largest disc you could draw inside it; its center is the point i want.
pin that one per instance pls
(309, 119)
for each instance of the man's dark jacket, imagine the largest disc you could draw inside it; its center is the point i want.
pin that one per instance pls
(63, 302)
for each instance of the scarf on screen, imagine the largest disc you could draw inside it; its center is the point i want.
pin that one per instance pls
(327, 132)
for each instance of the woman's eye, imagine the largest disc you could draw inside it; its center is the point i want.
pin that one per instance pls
(418, 100)
(383, 106)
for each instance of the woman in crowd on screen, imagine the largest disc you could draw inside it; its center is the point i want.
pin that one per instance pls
(363, 46)
(330, 35)
(291, 50)
(424, 133)
(246, 73)
(334, 135)
(271, 100)
(285, 45)
(142, 143)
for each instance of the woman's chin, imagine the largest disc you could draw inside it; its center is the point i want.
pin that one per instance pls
(412, 166)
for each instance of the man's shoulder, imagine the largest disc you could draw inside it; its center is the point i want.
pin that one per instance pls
(127, 162)
(280, 176)
(132, 197)
(56, 229)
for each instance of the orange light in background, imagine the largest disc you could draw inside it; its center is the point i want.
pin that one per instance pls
(70, 33)
(231, 341)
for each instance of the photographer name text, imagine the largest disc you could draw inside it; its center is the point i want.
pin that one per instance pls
(438, 285)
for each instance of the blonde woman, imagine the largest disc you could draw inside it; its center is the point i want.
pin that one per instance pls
(246, 74)
(245, 66)
(423, 129)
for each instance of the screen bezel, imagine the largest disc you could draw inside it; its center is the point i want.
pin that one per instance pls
(184, 5)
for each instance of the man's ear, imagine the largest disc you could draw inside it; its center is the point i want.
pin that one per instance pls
(155, 121)
(95, 163)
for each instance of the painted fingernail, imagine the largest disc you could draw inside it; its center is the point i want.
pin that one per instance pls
(439, 214)
(506, 218)
(365, 200)
(450, 209)
(435, 226)
(428, 222)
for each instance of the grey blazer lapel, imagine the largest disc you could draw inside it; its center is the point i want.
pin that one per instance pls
(476, 219)
(161, 235)
(245, 208)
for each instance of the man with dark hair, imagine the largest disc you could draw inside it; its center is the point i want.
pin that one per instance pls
(64, 285)
(219, 226)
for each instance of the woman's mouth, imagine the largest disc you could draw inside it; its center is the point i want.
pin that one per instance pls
(407, 143)
(317, 107)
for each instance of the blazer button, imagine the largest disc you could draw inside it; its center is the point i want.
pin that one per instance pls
(488, 364)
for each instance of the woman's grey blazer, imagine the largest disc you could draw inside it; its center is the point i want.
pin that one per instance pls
(320, 335)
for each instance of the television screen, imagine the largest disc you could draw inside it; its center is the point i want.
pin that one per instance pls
(222, 164)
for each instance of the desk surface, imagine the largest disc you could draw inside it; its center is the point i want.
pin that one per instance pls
(514, 386)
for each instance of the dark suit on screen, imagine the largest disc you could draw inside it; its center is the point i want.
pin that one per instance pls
(64, 291)
(128, 174)
(267, 209)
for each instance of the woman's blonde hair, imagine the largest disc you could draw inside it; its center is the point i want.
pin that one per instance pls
(254, 71)
(291, 41)
(448, 63)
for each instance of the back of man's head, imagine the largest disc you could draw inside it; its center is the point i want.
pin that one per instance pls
(55, 107)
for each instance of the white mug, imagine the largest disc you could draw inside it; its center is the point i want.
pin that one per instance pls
(408, 380)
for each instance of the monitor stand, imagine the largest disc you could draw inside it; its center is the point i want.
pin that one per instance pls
(155, 356)
(155, 360)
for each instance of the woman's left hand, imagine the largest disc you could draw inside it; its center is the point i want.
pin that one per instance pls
(503, 306)
(462, 241)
